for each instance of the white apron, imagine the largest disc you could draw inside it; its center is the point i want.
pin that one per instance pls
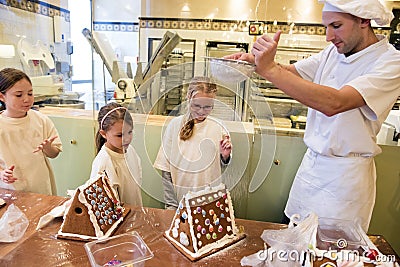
(334, 187)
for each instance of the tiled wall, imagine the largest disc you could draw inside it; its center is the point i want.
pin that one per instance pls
(238, 26)
(38, 7)
(116, 26)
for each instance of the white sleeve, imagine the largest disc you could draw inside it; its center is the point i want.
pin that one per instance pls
(162, 159)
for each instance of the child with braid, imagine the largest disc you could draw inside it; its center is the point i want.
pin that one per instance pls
(194, 145)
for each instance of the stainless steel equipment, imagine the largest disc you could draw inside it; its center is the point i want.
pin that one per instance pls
(38, 62)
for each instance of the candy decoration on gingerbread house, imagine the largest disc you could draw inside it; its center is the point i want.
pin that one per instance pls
(95, 212)
(204, 223)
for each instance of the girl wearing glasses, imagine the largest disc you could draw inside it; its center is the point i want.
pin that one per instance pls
(194, 146)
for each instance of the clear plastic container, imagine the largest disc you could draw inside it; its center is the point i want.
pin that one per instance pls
(339, 234)
(121, 250)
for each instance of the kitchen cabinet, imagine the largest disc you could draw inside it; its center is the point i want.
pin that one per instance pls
(73, 165)
(268, 201)
(386, 215)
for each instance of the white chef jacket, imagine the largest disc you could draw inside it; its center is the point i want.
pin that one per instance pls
(123, 170)
(19, 137)
(337, 176)
(194, 163)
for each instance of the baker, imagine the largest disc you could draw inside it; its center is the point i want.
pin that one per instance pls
(349, 87)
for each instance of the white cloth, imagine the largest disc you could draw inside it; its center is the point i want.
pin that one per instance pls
(366, 9)
(340, 188)
(194, 163)
(337, 176)
(124, 172)
(19, 137)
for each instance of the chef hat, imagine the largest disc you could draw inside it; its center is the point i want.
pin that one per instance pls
(366, 9)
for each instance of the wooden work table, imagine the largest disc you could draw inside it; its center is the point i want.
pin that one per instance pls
(42, 248)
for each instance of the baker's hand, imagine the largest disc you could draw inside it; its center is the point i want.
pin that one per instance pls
(225, 147)
(264, 51)
(45, 145)
(7, 175)
(241, 56)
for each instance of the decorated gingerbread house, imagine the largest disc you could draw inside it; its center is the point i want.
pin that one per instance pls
(204, 223)
(95, 212)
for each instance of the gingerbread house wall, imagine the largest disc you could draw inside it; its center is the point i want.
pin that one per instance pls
(77, 220)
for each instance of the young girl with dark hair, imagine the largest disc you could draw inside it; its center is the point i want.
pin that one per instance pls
(27, 138)
(116, 155)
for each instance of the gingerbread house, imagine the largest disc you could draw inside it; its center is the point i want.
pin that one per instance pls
(204, 223)
(95, 212)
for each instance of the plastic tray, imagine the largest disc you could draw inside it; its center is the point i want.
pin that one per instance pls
(121, 250)
(339, 234)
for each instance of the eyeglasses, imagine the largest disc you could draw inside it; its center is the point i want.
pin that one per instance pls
(198, 107)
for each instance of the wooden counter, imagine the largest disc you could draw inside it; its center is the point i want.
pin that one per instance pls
(33, 205)
(42, 248)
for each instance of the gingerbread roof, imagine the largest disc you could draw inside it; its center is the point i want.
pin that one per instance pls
(95, 211)
(204, 222)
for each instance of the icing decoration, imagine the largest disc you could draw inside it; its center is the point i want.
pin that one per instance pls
(220, 228)
(175, 232)
(184, 215)
(207, 221)
(183, 239)
(208, 236)
(214, 236)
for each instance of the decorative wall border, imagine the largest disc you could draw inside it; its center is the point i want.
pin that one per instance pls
(116, 26)
(38, 7)
(237, 26)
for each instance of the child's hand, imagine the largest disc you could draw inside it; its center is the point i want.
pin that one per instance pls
(225, 147)
(45, 145)
(7, 175)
